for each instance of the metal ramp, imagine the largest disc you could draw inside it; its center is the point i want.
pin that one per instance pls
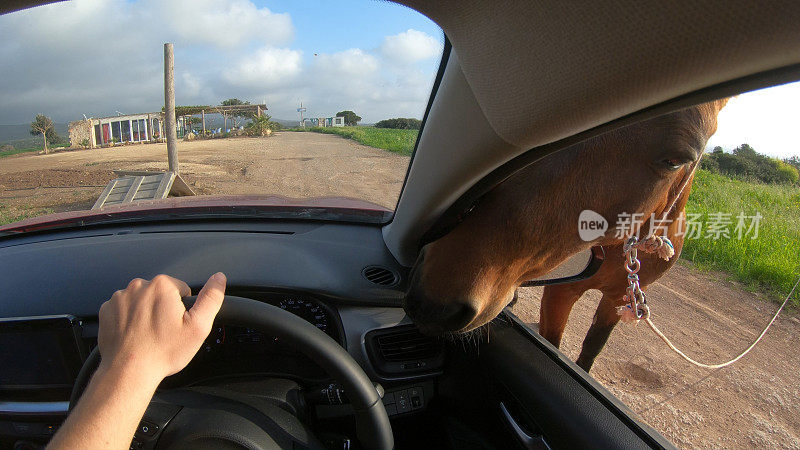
(137, 186)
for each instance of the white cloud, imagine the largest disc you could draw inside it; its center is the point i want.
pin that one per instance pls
(352, 62)
(267, 67)
(411, 46)
(191, 85)
(66, 62)
(226, 23)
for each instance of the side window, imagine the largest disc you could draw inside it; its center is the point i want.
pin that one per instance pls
(737, 243)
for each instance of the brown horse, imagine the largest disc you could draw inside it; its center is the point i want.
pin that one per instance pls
(528, 225)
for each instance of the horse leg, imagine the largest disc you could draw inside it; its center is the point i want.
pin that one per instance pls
(605, 318)
(557, 303)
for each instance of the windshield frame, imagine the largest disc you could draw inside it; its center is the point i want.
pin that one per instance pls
(437, 81)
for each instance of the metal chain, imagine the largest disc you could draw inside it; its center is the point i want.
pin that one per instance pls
(634, 295)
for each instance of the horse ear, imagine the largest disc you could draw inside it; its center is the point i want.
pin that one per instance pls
(719, 104)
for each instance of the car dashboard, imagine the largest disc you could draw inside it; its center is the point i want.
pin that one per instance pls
(337, 276)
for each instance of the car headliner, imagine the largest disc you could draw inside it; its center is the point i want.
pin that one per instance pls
(529, 77)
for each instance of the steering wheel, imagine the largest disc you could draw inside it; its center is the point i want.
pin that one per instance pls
(228, 422)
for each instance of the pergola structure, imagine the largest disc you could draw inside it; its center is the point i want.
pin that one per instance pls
(224, 110)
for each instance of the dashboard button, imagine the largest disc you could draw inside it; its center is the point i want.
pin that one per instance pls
(402, 401)
(23, 429)
(388, 398)
(417, 400)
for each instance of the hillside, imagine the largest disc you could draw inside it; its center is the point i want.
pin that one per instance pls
(19, 135)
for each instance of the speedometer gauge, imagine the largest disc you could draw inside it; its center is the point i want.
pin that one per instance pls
(309, 310)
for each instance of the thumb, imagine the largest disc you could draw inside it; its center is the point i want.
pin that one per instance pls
(209, 301)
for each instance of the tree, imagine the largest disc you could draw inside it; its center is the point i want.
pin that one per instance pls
(44, 125)
(745, 151)
(709, 163)
(350, 118)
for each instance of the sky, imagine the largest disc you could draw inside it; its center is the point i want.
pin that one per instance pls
(100, 57)
(768, 120)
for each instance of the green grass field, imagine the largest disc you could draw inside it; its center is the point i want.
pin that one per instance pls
(397, 141)
(17, 151)
(770, 262)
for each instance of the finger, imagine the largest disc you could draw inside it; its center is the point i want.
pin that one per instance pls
(209, 301)
(136, 283)
(183, 288)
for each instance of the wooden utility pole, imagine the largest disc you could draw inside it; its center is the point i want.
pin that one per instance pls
(203, 115)
(169, 107)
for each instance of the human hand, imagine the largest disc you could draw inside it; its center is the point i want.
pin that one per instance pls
(146, 328)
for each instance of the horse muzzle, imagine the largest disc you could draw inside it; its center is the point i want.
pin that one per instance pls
(437, 316)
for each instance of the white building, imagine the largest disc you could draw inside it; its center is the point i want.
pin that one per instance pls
(324, 122)
(131, 128)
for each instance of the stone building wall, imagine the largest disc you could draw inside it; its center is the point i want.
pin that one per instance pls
(79, 131)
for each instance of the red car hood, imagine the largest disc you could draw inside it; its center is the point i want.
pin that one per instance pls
(244, 206)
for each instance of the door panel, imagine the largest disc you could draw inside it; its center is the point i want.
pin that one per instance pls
(545, 393)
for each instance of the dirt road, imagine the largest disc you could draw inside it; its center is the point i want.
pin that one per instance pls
(754, 403)
(290, 164)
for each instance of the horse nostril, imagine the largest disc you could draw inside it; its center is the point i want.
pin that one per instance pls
(436, 315)
(459, 316)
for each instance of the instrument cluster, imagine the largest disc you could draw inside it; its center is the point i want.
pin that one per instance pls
(310, 309)
(234, 350)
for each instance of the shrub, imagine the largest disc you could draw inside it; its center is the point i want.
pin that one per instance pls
(733, 165)
(709, 163)
(400, 123)
(747, 164)
(793, 161)
(787, 173)
(261, 126)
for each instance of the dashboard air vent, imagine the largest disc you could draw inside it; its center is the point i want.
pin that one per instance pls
(380, 275)
(404, 350)
(406, 345)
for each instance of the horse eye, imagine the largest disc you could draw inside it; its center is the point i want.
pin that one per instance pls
(673, 163)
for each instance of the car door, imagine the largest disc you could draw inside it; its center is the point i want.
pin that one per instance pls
(546, 401)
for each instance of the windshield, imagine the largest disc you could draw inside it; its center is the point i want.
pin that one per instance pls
(289, 99)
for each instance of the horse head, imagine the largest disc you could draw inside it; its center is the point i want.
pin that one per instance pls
(528, 225)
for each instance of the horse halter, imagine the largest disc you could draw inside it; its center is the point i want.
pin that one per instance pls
(636, 307)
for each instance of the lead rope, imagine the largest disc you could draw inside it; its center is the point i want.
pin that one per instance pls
(636, 308)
